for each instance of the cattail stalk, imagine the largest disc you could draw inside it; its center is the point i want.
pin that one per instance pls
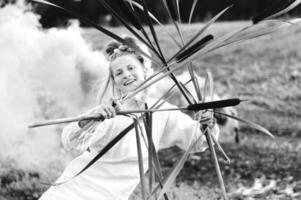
(194, 48)
(95, 116)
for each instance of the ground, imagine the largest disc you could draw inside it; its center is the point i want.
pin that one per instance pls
(266, 72)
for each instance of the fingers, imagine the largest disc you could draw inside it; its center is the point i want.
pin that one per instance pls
(204, 117)
(110, 111)
(106, 111)
(207, 119)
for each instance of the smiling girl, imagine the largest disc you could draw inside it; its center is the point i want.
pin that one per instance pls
(116, 174)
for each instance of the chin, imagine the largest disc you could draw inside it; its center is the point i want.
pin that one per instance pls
(128, 90)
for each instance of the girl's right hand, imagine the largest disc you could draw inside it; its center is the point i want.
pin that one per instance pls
(107, 111)
(104, 111)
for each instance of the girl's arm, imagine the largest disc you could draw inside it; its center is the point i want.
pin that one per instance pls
(80, 135)
(77, 138)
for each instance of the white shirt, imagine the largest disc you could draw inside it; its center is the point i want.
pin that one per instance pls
(116, 174)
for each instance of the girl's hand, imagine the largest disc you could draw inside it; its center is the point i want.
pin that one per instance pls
(105, 111)
(205, 117)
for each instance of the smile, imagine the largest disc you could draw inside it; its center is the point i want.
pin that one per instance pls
(128, 82)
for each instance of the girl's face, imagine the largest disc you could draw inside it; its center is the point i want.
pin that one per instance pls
(128, 73)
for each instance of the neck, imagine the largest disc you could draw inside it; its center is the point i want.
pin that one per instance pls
(136, 102)
(133, 104)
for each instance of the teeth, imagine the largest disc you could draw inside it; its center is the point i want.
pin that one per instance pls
(128, 82)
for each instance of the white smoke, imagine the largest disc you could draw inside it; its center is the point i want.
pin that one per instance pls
(43, 74)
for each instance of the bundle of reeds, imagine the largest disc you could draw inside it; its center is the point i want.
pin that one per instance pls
(125, 11)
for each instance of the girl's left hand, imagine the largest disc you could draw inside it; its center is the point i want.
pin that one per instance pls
(205, 117)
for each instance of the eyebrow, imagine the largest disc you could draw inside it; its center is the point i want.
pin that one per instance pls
(119, 69)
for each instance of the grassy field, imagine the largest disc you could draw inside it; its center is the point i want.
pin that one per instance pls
(265, 71)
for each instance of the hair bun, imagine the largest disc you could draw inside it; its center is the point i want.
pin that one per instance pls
(115, 48)
(111, 47)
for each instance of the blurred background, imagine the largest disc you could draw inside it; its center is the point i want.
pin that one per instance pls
(50, 64)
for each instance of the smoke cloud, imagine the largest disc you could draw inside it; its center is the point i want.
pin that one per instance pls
(43, 75)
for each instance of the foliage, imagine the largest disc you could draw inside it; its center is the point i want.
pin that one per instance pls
(270, 83)
(273, 61)
(242, 10)
(19, 184)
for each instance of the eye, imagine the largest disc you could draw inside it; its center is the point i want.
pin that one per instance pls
(118, 73)
(131, 67)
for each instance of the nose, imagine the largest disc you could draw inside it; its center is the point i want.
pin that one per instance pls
(126, 74)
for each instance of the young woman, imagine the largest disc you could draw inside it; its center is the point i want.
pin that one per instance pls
(116, 174)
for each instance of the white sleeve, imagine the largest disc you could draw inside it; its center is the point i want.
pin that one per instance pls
(75, 138)
(181, 131)
(95, 140)
(102, 134)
